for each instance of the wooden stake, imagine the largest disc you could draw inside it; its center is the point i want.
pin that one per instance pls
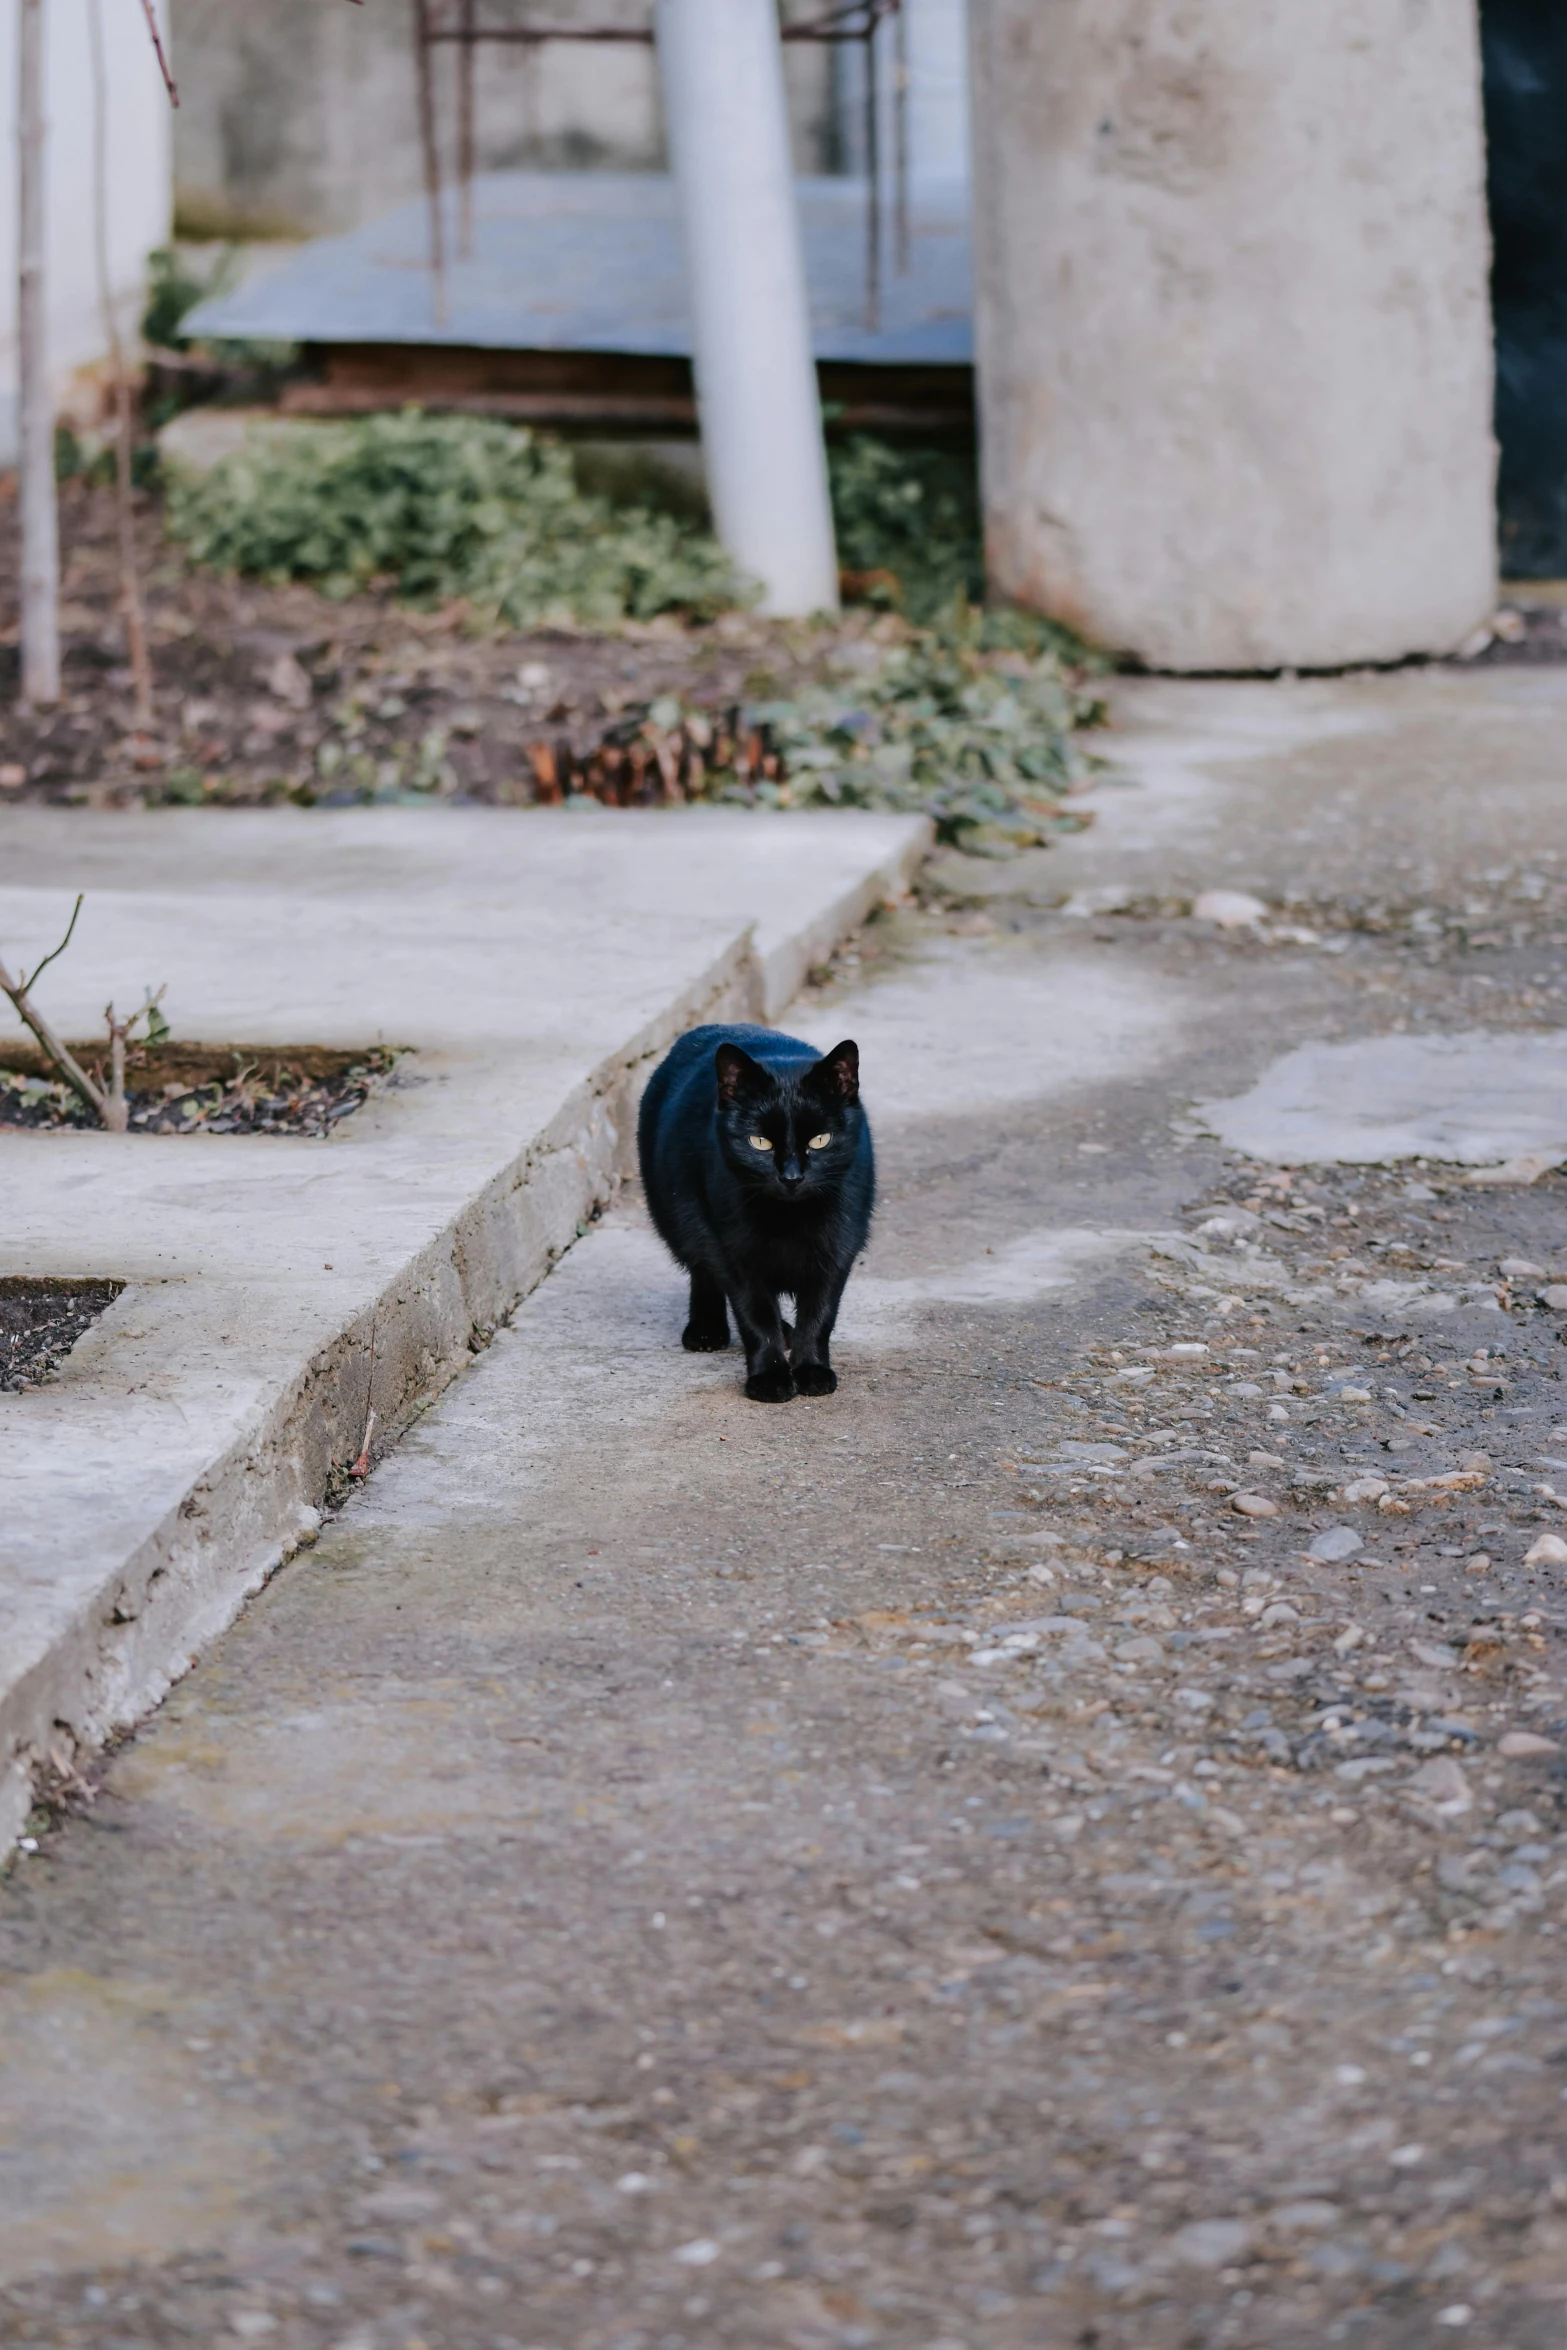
(124, 449)
(40, 516)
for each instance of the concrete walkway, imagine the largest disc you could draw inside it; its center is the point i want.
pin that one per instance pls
(925, 1867)
(278, 1290)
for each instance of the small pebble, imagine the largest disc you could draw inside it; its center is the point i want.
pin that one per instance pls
(1211, 2243)
(1256, 1505)
(1441, 1784)
(1335, 1544)
(1520, 1269)
(1555, 1297)
(1546, 1550)
(1521, 1745)
(1307, 2216)
(1230, 909)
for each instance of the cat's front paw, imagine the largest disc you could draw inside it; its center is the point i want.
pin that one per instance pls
(815, 1379)
(704, 1338)
(773, 1386)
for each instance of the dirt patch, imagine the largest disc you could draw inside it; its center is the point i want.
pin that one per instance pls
(273, 694)
(202, 1088)
(40, 1322)
(287, 693)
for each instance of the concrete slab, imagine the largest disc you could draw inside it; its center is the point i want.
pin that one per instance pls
(279, 1290)
(764, 1798)
(1477, 1100)
(1406, 784)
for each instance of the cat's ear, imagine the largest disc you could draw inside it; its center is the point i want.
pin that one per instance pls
(737, 1073)
(836, 1076)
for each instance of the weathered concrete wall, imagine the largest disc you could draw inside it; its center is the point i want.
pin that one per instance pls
(1233, 329)
(298, 118)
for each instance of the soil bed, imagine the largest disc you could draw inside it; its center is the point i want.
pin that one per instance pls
(201, 1088)
(40, 1322)
(267, 694)
(270, 694)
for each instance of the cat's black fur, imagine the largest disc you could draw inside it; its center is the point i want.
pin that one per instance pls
(749, 1225)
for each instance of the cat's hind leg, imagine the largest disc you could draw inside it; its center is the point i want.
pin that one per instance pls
(707, 1330)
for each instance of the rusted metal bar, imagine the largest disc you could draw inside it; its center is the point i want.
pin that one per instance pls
(856, 21)
(532, 36)
(900, 137)
(423, 29)
(467, 60)
(872, 186)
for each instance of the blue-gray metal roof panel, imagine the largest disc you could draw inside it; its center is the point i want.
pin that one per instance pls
(591, 261)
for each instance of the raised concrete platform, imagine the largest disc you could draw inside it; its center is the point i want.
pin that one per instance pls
(277, 1290)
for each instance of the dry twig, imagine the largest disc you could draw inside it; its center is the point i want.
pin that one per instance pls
(110, 1106)
(361, 1467)
(19, 990)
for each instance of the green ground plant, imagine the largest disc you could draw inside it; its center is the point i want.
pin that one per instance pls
(907, 524)
(973, 717)
(444, 507)
(976, 722)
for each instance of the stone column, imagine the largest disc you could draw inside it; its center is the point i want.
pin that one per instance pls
(1233, 326)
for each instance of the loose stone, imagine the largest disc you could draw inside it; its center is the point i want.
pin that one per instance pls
(1520, 1745)
(1442, 1786)
(1211, 2243)
(1546, 1550)
(1335, 1544)
(1229, 909)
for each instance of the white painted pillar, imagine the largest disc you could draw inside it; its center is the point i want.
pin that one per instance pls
(756, 387)
(1233, 325)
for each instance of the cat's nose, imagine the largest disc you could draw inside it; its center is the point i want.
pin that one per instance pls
(791, 1174)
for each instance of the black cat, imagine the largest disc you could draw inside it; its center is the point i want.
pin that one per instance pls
(756, 1157)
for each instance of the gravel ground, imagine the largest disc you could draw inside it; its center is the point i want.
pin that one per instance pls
(1062, 1842)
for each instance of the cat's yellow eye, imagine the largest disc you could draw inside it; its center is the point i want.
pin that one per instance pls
(759, 1142)
(818, 1142)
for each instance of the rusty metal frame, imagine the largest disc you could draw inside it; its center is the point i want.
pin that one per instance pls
(455, 23)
